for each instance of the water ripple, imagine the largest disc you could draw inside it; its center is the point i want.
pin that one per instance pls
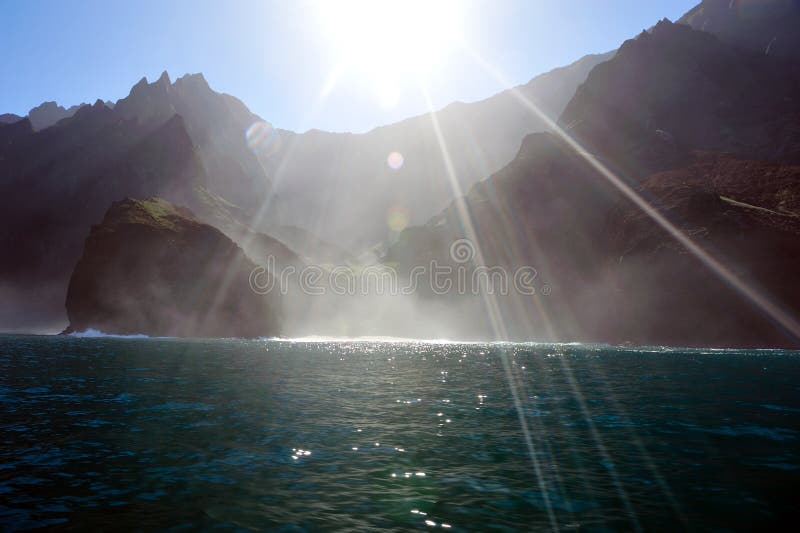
(362, 435)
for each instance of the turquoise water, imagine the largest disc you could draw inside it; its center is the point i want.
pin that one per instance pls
(139, 434)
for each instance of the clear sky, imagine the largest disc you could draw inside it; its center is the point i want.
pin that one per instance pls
(304, 64)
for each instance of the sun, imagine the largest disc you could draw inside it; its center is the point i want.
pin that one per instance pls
(391, 42)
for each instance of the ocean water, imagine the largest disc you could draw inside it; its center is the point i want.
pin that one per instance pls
(241, 435)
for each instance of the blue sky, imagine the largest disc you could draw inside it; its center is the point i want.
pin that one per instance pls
(281, 58)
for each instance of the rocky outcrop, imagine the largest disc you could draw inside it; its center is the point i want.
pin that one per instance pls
(153, 268)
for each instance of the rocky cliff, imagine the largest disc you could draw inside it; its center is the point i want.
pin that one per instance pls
(153, 268)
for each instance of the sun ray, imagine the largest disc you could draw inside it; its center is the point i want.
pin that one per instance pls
(492, 308)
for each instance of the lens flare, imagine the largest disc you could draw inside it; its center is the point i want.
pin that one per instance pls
(395, 160)
(397, 218)
(262, 138)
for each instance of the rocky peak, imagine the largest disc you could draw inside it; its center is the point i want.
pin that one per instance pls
(48, 113)
(46, 106)
(147, 102)
(99, 108)
(139, 85)
(196, 81)
(665, 35)
(163, 80)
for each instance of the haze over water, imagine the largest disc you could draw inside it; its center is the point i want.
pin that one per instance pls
(306, 436)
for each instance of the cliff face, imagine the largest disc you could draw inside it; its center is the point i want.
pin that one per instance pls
(152, 268)
(746, 214)
(674, 90)
(705, 132)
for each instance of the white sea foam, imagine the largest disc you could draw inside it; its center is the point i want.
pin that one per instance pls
(395, 340)
(95, 333)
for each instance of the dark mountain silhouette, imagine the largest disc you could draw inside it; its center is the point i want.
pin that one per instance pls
(706, 133)
(153, 268)
(9, 118)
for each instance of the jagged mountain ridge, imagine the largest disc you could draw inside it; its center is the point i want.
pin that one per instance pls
(215, 122)
(46, 114)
